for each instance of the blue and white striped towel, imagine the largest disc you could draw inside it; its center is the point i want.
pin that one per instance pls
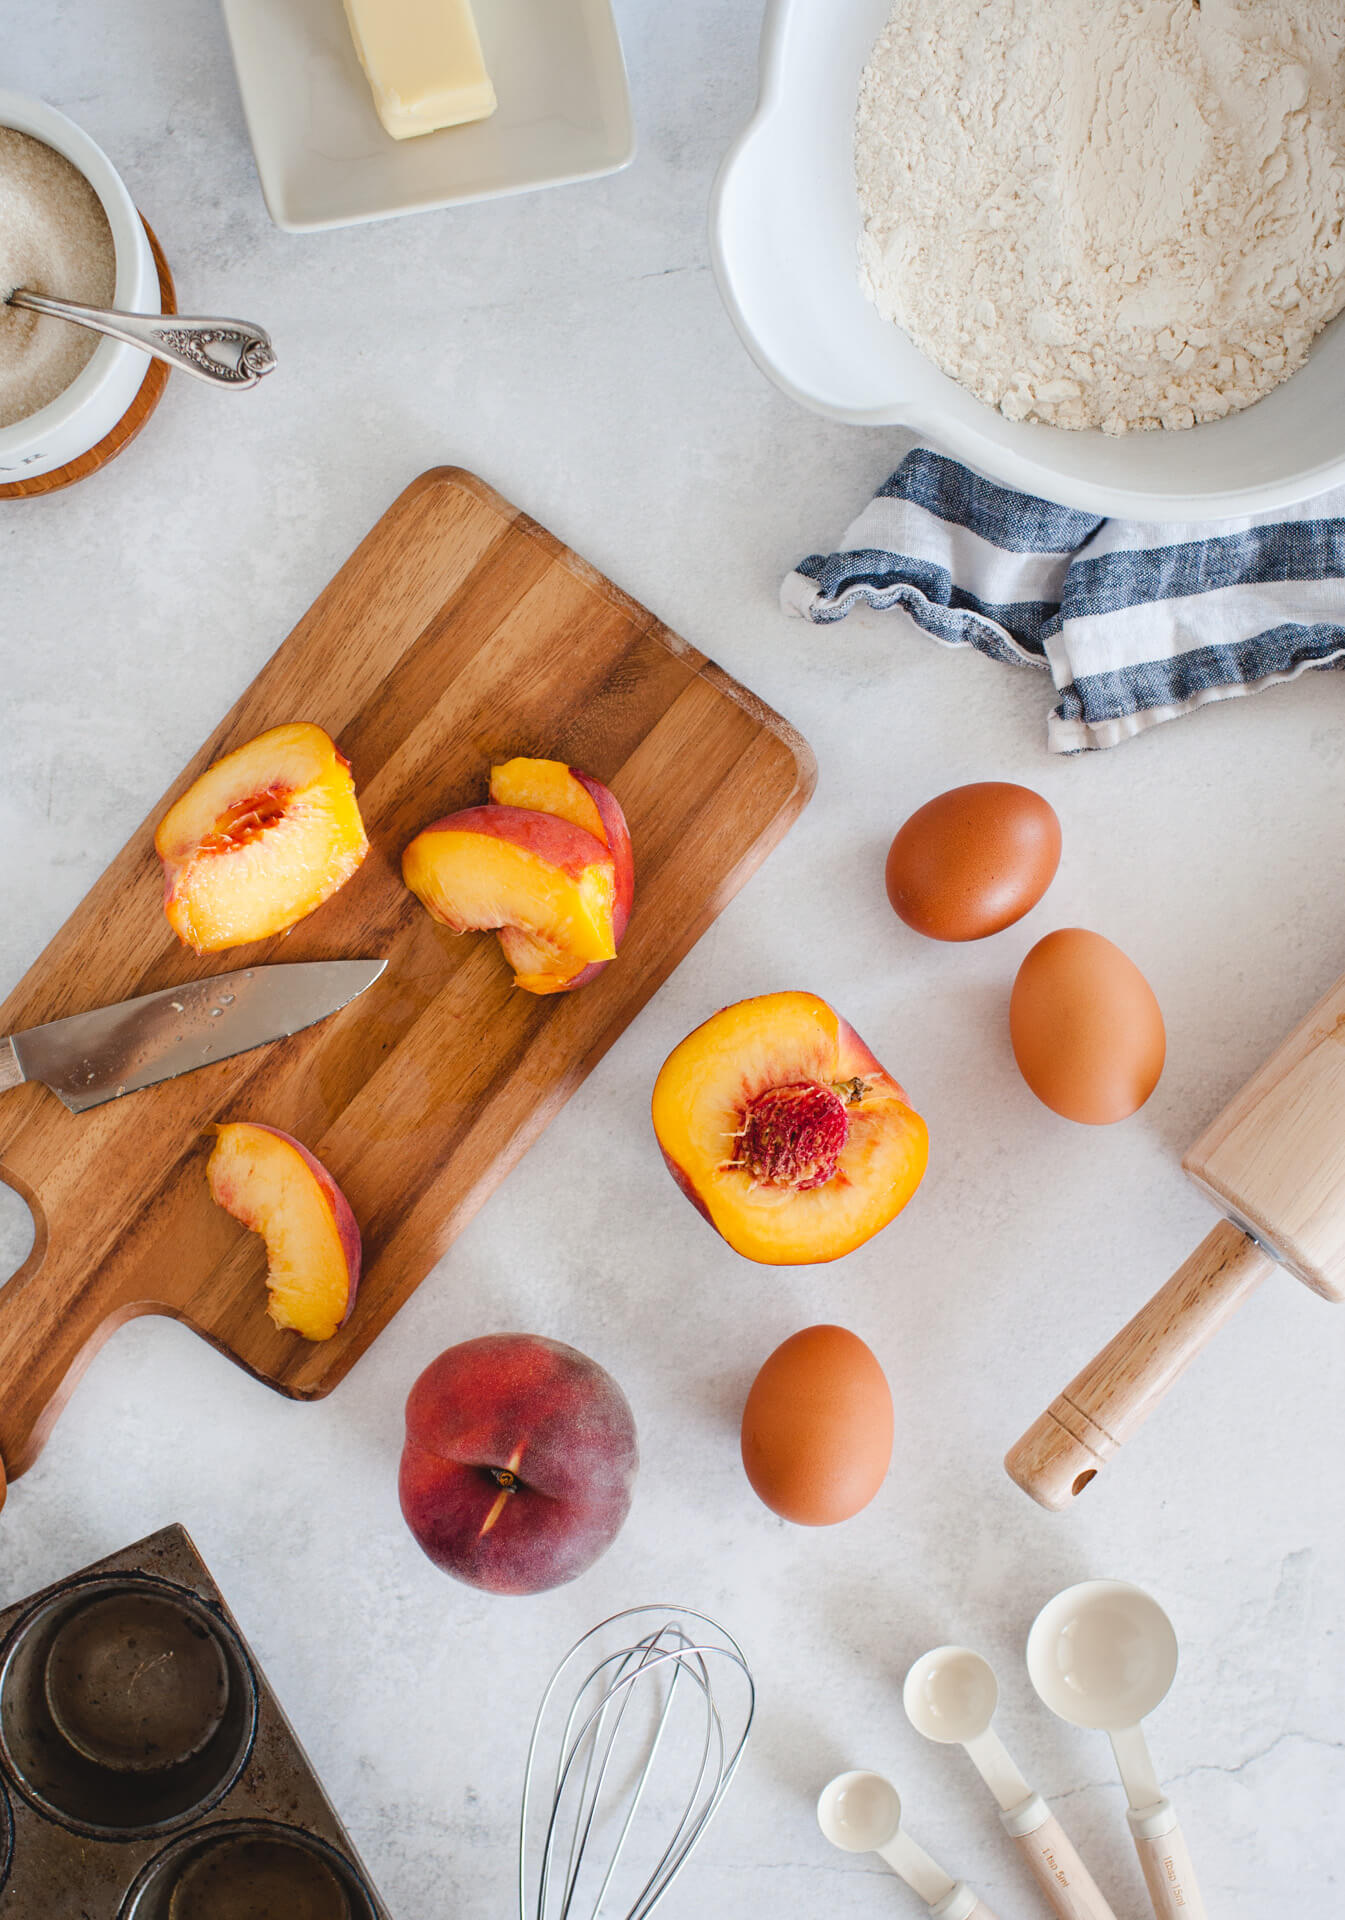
(1136, 622)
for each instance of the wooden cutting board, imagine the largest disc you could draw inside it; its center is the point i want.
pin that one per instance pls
(460, 632)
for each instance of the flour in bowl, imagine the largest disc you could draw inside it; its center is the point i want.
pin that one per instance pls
(1107, 213)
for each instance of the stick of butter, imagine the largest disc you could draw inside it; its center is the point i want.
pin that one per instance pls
(423, 62)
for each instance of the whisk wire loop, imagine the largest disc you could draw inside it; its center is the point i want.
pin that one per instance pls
(593, 1762)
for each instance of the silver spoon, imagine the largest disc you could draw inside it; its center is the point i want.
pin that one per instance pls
(183, 340)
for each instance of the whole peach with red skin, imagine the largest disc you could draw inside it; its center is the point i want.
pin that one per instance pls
(519, 1463)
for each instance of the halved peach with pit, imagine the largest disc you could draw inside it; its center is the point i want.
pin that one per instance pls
(491, 867)
(274, 1186)
(568, 793)
(262, 838)
(783, 1130)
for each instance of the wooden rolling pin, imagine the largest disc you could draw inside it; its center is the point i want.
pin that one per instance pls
(1274, 1161)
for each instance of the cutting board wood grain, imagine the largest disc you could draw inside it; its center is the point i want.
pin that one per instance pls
(460, 632)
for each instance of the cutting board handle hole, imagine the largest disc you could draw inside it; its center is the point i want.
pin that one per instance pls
(18, 1231)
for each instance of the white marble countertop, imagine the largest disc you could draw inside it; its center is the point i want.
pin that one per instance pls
(571, 348)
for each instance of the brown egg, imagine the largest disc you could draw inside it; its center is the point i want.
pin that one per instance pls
(1087, 1031)
(817, 1427)
(973, 861)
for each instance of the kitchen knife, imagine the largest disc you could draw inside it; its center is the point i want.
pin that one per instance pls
(92, 1057)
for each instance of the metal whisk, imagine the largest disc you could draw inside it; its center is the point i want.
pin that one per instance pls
(637, 1738)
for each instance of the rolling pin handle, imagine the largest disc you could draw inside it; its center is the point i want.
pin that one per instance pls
(1105, 1404)
(1052, 1462)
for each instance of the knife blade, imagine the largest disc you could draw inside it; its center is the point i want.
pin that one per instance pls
(88, 1058)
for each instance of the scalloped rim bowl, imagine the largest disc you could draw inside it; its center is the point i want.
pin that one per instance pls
(784, 223)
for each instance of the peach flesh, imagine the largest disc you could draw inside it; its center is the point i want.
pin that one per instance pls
(260, 839)
(539, 966)
(270, 1183)
(790, 1059)
(519, 1463)
(490, 867)
(548, 786)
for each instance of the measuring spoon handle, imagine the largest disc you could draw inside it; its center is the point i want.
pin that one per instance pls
(1053, 1861)
(960, 1903)
(1168, 1873)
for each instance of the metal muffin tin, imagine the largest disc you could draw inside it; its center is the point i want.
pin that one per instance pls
(146, 1769)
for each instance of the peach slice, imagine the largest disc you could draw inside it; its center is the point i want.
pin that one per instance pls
(274, 1186)
(491, 867)
(549, 786)
(783, 1130)
(262, 838)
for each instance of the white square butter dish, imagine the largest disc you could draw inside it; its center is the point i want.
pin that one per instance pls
(324, 160)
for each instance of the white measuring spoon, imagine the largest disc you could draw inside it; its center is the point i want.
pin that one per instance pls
(1103, 1655)
(861, 1813)
(950, 1696)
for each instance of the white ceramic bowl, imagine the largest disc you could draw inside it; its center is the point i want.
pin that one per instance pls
(784, 225)
(101, 392)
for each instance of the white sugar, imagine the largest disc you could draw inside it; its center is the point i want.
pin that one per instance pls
(54, 239)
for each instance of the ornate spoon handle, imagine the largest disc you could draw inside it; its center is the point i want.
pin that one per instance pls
(180, 339)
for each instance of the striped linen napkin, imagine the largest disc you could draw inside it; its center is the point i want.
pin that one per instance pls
(1136, 622)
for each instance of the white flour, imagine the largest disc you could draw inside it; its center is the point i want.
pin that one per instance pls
(1115, 213)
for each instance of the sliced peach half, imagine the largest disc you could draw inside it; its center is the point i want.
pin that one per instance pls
(780, 1126)
(549, 786)
(491, 867)
(261, 839)
(275, 1187)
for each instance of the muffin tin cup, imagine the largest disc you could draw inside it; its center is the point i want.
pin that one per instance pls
(249, 1870)
(128, 1707)
(6, 1837)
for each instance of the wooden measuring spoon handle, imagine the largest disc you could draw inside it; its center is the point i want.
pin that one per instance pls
(1053, 1861)
(1168, 1873)
(1102, 1406)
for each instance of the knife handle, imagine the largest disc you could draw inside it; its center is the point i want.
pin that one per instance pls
(11, 1075)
